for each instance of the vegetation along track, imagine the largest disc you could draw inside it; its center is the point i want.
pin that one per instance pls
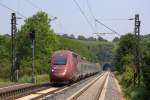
(97, 92)
(22, 90)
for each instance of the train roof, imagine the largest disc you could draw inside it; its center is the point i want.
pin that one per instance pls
(69, 52)
(60, 51)
(65, 51)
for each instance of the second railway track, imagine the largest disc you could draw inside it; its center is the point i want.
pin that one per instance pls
(14, 92)
(91, 91)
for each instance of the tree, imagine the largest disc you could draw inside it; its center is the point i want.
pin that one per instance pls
(105, 52)
(116, 39)
(45, 41)
(72, 36)
(5, 56)
(80, 37)
(91, 38)
(101, 39)
(65, 36)
(125, 49)
(146, 63)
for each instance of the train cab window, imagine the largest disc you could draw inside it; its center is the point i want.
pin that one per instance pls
(60, 60)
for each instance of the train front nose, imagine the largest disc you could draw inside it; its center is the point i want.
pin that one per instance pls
(59, 74)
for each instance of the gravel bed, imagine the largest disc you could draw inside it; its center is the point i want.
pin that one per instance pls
(112, 92)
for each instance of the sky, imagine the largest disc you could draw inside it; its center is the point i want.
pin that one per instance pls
(113, 13)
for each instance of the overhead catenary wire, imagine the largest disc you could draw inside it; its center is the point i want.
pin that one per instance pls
(3, 5)
(96, 20)
(33, 4)
(90, 9)
(115, 19)
(37, 7)
(107, 27)
(92, 14)
(82, 12)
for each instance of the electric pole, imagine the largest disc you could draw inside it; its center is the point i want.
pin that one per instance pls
(137, 49)
(13, 36)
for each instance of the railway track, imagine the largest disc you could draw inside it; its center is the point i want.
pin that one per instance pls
(44, 94)
(9, 93)
(93, 90)
(38, 91)
(41, 94)
(48, 92)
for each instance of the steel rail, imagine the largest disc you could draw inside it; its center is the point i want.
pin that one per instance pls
(20, 91)
(81, 91)
(101, 89)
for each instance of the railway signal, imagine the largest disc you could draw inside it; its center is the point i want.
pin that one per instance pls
(32, 37)
(32, 34)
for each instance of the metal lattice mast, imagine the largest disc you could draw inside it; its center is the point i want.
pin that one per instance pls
(13, 36)
(137, 47)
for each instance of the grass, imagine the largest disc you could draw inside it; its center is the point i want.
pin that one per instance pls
(5, 82)
(39, 79)
(137, 93)
(87, 42)
(42, 78)
(25, 79)
(131, 92)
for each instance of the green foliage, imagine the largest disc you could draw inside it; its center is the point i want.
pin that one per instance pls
(116, 39)
(101, 51)
(40, 78)
(124, 62)
(75, 46)
(146, 64)
(45, 40)
(136, 93)
(105, 52)
(5, 63)
(80, 37)
(128, 75)
(124, 52)
(130, 92)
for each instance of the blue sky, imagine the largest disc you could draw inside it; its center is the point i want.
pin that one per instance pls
(71, 21)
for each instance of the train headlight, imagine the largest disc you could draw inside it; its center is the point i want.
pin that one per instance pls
(52, 70)
(64, 72)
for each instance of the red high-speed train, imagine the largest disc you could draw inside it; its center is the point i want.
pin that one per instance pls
(67, 66)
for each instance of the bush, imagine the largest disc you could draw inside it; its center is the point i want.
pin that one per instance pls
(128, 75)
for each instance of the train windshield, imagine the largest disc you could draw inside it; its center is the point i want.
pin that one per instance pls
(60, 60)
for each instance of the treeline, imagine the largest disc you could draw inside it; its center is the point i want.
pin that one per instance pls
(81, 37)
(125, 65)
(5, 57)
(46, 42)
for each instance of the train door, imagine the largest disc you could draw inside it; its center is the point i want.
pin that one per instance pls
(75, 63)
